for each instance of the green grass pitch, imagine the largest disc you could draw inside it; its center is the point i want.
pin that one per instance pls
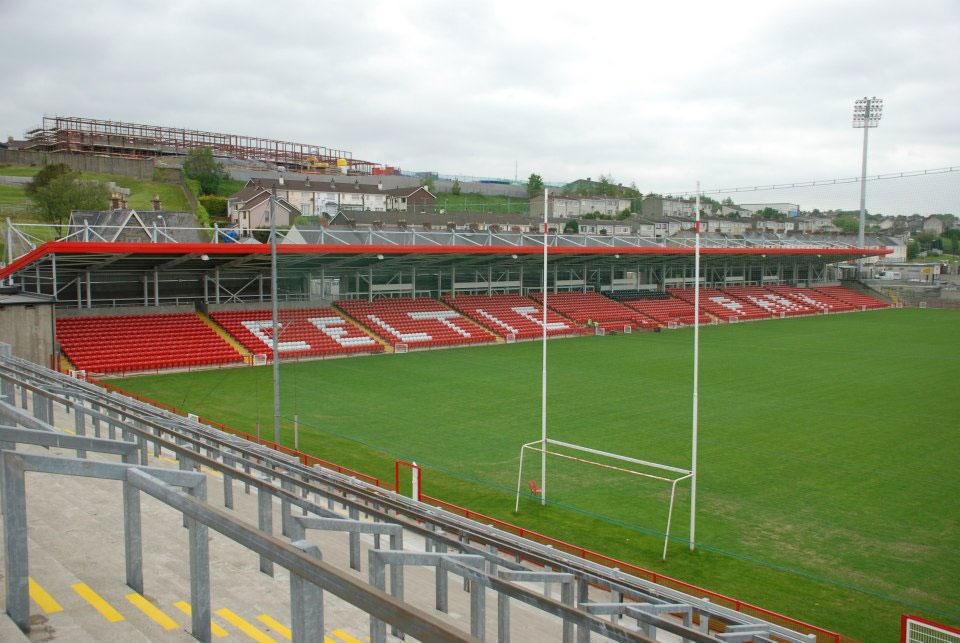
(829, 449)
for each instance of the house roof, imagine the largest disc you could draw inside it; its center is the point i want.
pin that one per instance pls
(137, 225)
(332, 185)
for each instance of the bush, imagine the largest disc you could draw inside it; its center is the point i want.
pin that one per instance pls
(216, 205)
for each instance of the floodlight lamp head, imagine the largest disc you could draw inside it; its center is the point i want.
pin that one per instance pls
(867, 112)
(513, 256)
(617, 256)
(205, 257)
(380, 257)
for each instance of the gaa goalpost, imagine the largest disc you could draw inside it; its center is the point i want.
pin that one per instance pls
(543, 445)
(663, 471)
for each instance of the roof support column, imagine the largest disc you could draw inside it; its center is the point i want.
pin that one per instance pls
(206, 291)
(146, 291)
(413, 282)
(489, 280)
(556, 277)
(260, 286)
(453, 282)
(439, 284)
(79, 293)
(89, 295)
(369, 283)
(156, 287)
(216, 285)
(521, 279)
(53, 270)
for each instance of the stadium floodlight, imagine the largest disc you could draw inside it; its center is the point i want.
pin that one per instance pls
(866, 114)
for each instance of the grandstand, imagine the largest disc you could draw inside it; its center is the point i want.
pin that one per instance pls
(118, 344)
(303, 332)
(721, 305)
(419, 322)
(594, 308)
(771, 302)
(507, 315)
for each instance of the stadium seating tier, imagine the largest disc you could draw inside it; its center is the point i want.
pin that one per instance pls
(593, 308)
(128, 343)
(416, 323)
(510, 315)
(305, 332)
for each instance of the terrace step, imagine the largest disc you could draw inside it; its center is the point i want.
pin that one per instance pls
(227, 337)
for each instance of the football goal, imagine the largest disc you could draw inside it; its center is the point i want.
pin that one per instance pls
(630, 466)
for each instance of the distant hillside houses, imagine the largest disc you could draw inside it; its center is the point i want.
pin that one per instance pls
(322, 196)
(573, 207)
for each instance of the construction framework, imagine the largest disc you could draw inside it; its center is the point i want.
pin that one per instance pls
(81, 135)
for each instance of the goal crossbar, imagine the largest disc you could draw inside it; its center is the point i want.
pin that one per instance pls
(543, 447)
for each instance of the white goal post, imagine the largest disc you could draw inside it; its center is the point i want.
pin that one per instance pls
(678, 474)
(259, 359)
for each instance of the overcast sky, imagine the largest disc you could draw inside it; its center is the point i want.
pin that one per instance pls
(661, 94)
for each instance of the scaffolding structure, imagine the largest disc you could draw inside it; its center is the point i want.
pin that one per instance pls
(80, 135)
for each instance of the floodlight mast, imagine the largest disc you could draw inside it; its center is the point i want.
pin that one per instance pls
(696, 376)
(866, 114)
(543, 393)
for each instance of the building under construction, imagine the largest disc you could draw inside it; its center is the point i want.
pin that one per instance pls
(80, 135)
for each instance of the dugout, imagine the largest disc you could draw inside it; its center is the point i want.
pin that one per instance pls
(27, 325)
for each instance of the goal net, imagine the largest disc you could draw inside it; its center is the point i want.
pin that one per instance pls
(614, 463)
(914, 629)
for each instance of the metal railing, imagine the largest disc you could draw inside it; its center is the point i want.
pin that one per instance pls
(454, 544)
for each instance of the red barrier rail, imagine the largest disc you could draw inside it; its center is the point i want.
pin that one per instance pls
(654, 577)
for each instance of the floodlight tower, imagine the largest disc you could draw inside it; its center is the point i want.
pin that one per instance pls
(866, 114)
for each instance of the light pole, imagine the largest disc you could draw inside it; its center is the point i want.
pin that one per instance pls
(273, 317)
(866, 114)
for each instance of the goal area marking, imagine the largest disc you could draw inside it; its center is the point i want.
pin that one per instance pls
(543, 447)
(914, 629)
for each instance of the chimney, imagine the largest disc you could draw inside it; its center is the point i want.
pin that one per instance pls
(156, 202)
(380, 185)
(307, 183)
(356, 184)
(115, 201)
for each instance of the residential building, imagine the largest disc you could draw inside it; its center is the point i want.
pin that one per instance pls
(933, 224)
(323, 196)
(658, 206)
(128, 225)
(574, 207)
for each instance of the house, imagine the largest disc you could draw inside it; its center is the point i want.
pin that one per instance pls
(658, 206)
(604, 227)
(322, 196)
(573, 207)
(249, 209)
(933, 224)
(128, 225)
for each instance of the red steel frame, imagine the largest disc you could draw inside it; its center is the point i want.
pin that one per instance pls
(910, 617)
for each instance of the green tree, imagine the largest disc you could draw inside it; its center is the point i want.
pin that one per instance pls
(947, 244)
(44, 176)
(925, 239)
(728, 202)
(913, 250)
(427, 182)
(848, 223)
(66, 193)
(455, 188)
(534, 185)
(572, 227)
(202, 167)
(625, 214)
